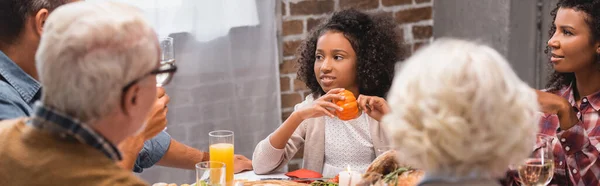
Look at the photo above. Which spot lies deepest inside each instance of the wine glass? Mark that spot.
(167, 61)
(538, 168)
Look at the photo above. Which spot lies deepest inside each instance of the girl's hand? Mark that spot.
(323, 106)
(374, 106)
(554, 104)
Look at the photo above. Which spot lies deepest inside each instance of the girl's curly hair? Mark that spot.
(375, 41)
(558, 80)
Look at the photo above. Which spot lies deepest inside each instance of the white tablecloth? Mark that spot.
(251, 176)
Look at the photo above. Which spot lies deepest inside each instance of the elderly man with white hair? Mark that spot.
(460, 113)
(22, 23)
(98, 64)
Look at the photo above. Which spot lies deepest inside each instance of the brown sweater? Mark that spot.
(29, 156)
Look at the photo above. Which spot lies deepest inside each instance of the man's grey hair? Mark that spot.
(89, 52)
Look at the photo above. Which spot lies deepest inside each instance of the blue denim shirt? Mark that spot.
(19, 92)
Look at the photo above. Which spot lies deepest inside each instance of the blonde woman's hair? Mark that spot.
(459, 109)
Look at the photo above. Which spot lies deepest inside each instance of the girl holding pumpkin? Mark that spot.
(350, 55)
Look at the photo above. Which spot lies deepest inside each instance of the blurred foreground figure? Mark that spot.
(461, 114)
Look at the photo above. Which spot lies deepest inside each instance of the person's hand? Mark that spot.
(157, 119)
(241, 164)
(130, 147)
(323, 106)
(554, 104)
(374, 106)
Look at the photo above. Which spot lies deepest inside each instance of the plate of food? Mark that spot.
(394, 173)
(384, 170)
(246, 183)
(170, 184)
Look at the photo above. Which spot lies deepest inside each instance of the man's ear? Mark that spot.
(130, 99)
(40, 20)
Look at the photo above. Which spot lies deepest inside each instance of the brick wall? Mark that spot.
(415, 28)
(414, 19)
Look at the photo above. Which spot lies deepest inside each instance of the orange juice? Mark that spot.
(223, 152)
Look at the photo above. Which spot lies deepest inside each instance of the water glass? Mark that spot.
(210, 173)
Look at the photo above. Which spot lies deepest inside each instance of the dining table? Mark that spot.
(252, 176)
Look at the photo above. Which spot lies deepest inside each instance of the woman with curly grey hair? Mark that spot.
(460, 113)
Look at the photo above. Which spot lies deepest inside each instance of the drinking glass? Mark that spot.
(167, 60)
(538, 169)
(210, 173)
(221, 150)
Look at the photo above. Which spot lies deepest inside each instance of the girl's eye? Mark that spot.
(319, 57)
(337, 58)
(567, 33)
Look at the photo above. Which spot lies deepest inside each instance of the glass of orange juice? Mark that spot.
(221, 150)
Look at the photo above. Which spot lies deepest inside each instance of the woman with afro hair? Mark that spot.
(350, 51)
(572, 101)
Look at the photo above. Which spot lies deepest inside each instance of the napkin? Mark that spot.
(304, 173)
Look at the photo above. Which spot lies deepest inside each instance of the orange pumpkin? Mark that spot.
(349, 105)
